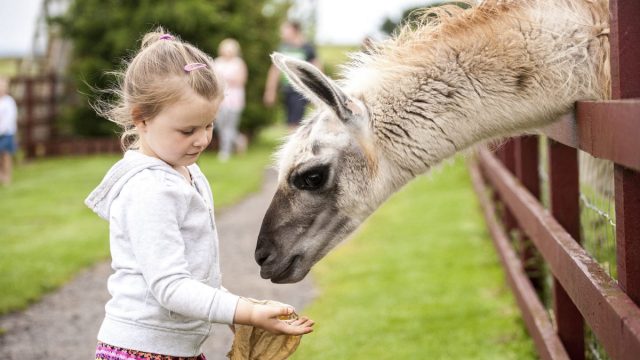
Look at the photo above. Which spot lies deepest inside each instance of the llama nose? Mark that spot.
(261, 257)
(265, 253)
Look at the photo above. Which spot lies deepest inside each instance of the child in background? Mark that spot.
(166, 287)
(232, 69)
(8, 126)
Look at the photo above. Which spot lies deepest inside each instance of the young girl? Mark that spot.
(166, 287)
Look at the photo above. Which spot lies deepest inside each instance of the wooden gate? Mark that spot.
(507, 181)
(39, 99)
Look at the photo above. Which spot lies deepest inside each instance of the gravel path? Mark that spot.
(64, 324)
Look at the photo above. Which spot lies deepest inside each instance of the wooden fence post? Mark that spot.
(564, 205)
(625, 84)
(527, 162)
(52, 144)
(509, 161)
(29, 101)
(627, 188)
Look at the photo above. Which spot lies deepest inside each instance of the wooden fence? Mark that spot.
(507, 181)
(38, 99)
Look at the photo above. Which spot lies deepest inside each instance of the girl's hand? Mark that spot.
(273, 318)
(268, 317)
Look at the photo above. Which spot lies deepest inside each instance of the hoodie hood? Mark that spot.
(131, 164)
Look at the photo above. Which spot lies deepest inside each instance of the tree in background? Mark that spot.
(105, 33)
(412, 14)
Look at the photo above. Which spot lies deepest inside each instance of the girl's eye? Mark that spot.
(186, 132)
(210, 126)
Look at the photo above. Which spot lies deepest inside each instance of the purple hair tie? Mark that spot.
(194, 66)
(166, 37)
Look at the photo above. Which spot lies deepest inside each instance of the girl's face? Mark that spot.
(287, 33)
(180, 131)
(228, 51)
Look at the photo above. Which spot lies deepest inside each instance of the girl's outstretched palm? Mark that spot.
(275, 319)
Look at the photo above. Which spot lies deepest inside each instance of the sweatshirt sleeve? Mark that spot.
(153, 223)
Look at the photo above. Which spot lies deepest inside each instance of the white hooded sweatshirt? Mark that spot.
(166, 286)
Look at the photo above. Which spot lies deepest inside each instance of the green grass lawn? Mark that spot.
(331, 56)
(420, 280)
(8, 67)
(47, 234)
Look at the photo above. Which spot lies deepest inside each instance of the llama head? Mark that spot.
(326, 176)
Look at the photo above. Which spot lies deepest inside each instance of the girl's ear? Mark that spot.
(315, 85)
(138, 119)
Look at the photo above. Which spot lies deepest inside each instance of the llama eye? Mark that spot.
(311, 180)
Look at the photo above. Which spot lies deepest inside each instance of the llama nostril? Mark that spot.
(263, 256)
(265, 251)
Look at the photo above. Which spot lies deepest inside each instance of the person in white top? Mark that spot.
(230, 67)
(8, 126)
(166, 286)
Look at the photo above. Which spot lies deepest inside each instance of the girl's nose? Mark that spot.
(203, 139)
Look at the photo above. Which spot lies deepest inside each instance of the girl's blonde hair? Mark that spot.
(155, 77)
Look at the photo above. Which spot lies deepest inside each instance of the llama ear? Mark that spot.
(311, 82)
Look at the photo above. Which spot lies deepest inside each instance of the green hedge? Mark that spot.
(106, 32)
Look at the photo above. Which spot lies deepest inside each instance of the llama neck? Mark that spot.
(501, 76)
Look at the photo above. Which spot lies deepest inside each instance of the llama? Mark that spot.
(437, 88)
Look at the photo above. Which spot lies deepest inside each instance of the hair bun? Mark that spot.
(153, 37)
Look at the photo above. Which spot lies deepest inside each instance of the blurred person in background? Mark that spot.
(293, 45)
(230, 67)
(8, 127)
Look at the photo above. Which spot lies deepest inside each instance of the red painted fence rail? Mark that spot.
(584, 295)
(39, 98)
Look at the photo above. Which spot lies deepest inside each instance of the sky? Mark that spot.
(349, 21)
(338, 21)
(17, 26)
